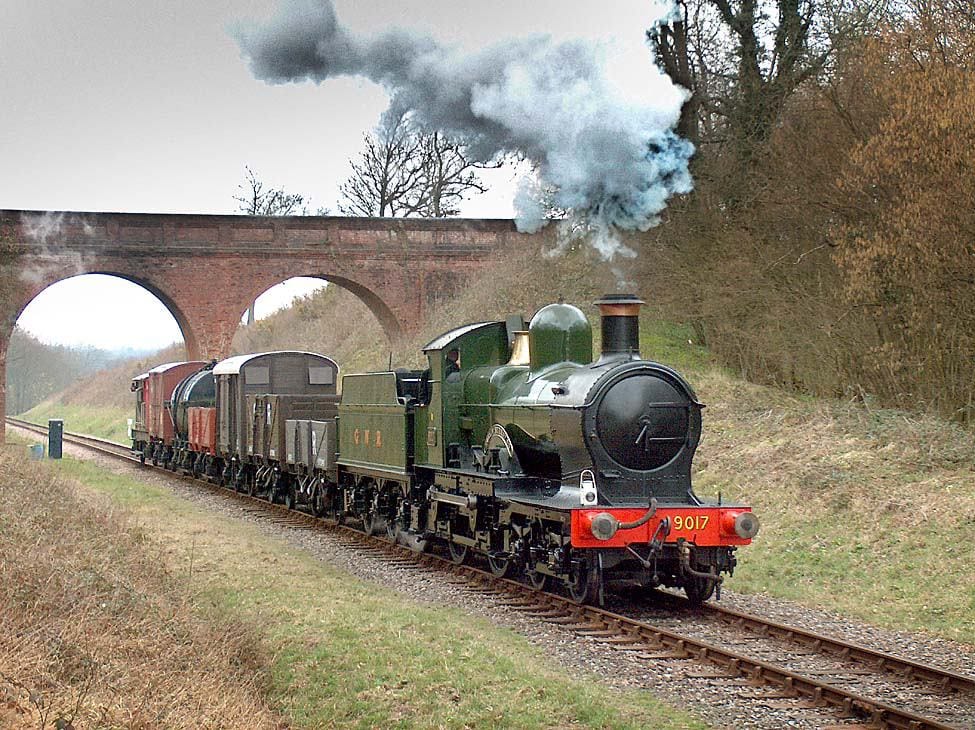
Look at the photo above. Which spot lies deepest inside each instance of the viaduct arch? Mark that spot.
(207, 269)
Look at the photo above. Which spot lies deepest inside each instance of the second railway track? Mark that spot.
(796, 667)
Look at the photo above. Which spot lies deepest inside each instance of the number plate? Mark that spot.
(689, 523)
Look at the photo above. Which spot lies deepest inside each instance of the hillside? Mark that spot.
(865, 510)
(101, 403)
(36, 370)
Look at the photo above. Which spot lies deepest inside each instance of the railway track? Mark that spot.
(780, 664)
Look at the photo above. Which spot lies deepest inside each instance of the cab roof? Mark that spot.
(232, 365)
(170, 365)
(447, 337)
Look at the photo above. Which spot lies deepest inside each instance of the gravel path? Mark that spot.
(722, 702)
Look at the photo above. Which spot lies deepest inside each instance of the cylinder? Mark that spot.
(620, 325)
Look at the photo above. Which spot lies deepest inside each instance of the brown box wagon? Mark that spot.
(240, 379)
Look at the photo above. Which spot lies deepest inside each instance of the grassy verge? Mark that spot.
(351, 655)
(866, 512)
(673, 345)
(97, 632)
(105, 422)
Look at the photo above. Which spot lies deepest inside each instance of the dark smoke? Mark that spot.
(611, 159)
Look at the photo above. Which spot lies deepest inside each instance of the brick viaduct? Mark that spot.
(207, 269)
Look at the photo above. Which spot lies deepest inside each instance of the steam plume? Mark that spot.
(49, 260)
(608, 156)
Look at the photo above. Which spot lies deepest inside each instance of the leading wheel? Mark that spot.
(699, 590)
(583, 585)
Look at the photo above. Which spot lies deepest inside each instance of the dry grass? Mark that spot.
(349, 654)
(882, 458)
(96, 633)
(306, 325)
(866, 511)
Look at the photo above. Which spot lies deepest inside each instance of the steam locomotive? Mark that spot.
(514, 445)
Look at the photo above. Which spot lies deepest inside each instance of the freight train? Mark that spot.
(514, 444)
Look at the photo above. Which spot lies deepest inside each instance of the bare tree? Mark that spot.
(388, 176)
(256, 198)
(449, 175)
(405, 171)
(743, 59)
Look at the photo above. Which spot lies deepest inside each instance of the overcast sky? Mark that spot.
(114, 105)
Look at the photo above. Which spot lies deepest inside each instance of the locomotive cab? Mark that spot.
(470, 353)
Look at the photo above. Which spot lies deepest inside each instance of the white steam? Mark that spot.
(42, 228)
(48, 259)
(603, 148)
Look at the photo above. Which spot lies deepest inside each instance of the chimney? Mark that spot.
(620, 326)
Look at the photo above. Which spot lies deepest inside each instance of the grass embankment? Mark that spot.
(866, 512)
(349, 654)
(108, 422)
(98, 632)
